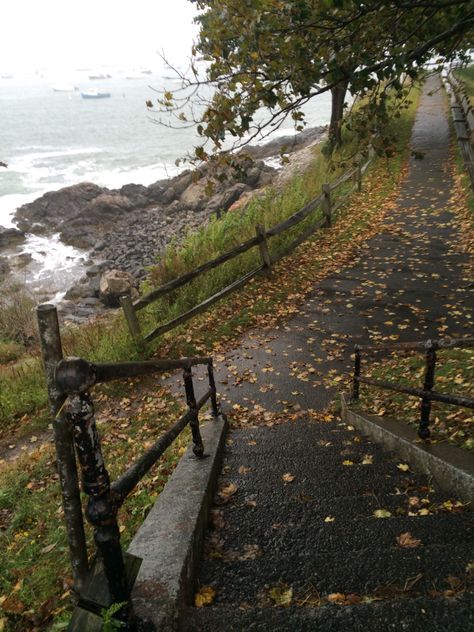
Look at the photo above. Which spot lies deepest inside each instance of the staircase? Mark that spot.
(306, 552)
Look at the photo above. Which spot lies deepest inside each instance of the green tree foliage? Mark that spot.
(279, 54)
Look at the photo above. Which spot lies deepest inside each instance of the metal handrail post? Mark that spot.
(198, 447)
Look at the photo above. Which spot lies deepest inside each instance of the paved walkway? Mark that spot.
(296, 519)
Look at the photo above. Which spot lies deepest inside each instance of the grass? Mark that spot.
(35, 578)
(466, 75)
(454, 370)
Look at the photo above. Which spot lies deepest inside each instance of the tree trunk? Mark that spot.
(338, 95)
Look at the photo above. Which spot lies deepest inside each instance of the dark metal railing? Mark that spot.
(426, 394)
(69, 383)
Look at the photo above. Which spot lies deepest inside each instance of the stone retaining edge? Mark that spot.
(170, 540)
(450, 467)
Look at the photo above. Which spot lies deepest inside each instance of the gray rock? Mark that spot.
(137, 194)
(10, 237)
(4, 267)
(53, 208)
(106, 204)
(222, 201)
(114, 284)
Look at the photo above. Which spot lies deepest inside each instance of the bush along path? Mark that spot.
(314, 527)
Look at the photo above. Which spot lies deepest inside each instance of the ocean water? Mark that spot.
(54, 139)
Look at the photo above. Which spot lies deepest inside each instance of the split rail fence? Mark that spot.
(463, 118)
(325, 201)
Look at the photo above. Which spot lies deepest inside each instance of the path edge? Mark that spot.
(170, 540)
(451, 468)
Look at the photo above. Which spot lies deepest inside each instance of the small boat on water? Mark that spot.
(95, 94)
(100, 76)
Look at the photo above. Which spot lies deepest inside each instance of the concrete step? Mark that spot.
(389, 571)
(408, 615)
(441, 529)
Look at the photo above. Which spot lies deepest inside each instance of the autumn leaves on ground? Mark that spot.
(35, 582)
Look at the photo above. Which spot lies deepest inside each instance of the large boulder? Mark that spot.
(222, 201)
(137, 195)
(105, 205)
(195, 197)
(46, 213)
(10, 237)
(114, 284)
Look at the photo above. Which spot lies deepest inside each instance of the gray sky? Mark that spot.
(58, 35)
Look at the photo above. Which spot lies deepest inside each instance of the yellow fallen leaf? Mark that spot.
(382, 513)
(288, 477)
(228, 490)
(204, 597)
(347, 462)
(281, 595)
(403, 467)
(329, 519)
(368, 459)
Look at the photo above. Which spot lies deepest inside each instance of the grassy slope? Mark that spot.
(35, 580)
(466, 75)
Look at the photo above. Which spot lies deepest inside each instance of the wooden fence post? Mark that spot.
(263, 247)
(327, 205)
(51, 351)
(131, 318)
(359, 173)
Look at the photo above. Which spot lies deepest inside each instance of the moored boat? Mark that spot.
(95, 94)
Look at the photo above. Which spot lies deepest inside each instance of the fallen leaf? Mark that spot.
(288, 477)
(382, 513)
(329, 519)
(251, 552)
(228, 490)
(49, 548)
(407, 541)
(403, 467)
(368, 459)
(336, 597)
(347, 462)
(204, 597)
(281, 595)
(244, 470)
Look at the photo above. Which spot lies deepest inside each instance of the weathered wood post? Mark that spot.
(263, 247)
(327, 204)
(131, 318)
(51, 350)
(359, 173)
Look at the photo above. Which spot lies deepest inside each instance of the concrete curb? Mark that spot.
(169, 542)
(450, 467)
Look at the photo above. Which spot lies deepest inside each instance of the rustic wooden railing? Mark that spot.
(463, 118)
(69, 381)
(325, 200)
(426, 394)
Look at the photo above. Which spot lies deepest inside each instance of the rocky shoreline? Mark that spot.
(126, 229)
